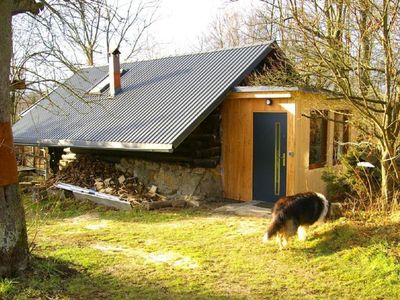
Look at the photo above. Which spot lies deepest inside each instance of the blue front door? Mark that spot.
(269, 156)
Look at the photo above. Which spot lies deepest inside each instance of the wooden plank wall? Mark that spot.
(31, 156)
(237, 143)
(310, 179)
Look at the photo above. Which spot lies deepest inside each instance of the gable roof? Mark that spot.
(160, 104)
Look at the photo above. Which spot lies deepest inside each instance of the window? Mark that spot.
(103, 84)
(340, 135)
(318, 138)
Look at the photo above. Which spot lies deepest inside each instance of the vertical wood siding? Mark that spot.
(237, 143)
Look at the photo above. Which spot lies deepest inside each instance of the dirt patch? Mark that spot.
(171, 258)
(247, 228)
(84, 218)
(97, 226)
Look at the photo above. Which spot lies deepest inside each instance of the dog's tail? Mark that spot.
(278, 221)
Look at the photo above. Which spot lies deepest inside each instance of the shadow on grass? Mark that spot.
(56, 209)
(49, 278)
(352, 235)
(70, 208)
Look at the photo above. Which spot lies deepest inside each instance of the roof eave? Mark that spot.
(264, 88)
(97, 145)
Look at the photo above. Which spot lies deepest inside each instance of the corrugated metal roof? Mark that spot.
(161, 102)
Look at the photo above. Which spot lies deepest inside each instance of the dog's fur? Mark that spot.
(292, 214)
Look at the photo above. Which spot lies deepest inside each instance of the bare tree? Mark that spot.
(126, 26)
(94, 26)
(79, 22)
(351, 50)
(232, 29)
(25, 86)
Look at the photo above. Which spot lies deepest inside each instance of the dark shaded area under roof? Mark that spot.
(161, 102)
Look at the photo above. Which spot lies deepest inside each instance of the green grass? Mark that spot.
(85, 252)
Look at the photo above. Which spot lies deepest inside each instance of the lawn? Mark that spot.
(80, 251)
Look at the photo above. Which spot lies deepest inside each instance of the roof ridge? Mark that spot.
(266, 43)
(208, 51)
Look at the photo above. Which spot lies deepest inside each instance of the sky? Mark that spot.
(180, 23)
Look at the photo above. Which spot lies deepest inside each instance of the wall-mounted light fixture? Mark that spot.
(268, 101)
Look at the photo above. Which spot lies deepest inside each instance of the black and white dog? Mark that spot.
(292, 214)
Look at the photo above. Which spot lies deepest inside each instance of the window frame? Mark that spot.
(323, 116)
(103, 84)
(345, 134)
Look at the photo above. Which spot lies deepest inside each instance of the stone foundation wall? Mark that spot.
(174, 180)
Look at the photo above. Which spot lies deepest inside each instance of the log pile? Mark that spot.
(91, 173)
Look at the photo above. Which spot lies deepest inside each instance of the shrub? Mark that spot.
(347, 181)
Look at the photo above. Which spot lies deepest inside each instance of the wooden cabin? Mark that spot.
(191, 125)
(275, 141)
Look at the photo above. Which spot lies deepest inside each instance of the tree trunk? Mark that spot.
(13, 237)
(89, 56)
(387, 178)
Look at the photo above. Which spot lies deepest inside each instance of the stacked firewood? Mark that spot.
(89, 172)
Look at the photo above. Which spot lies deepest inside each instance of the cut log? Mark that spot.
(153, 190)
(179, 203)
(164, 204)
(199, 152)
(204, 137)
(197, 144)
(192, 201)
(157, 205)
(206, 153)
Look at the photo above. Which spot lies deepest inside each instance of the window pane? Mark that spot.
(103, 84)
(100, 86)
(340, 135)
(318, 135)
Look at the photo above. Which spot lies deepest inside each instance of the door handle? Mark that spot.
(277, 167)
